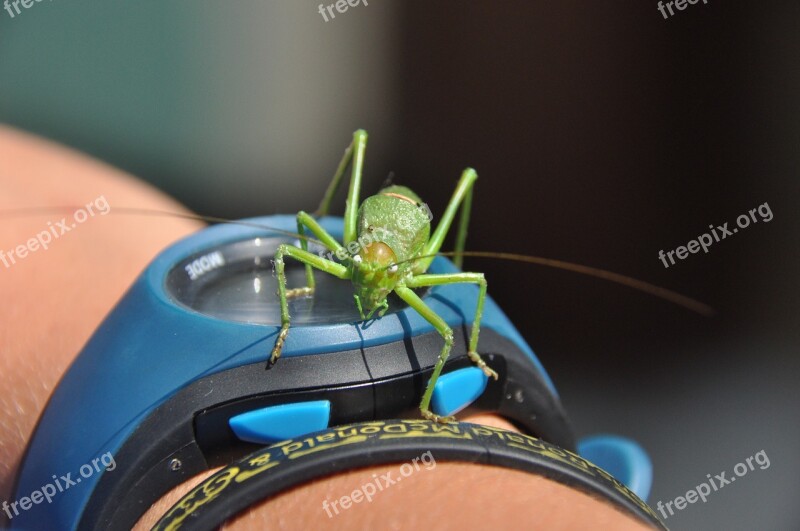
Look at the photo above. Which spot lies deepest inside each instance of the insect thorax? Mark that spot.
(397, 217)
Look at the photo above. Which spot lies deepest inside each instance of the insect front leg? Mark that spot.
(413, 300)
(304, 221)
(420, 281)
(309, 259)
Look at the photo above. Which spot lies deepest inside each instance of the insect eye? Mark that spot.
(393, 268)
(371, 228)
(357, 258)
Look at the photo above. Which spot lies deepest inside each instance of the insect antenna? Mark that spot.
(40, 211)
(640, 285)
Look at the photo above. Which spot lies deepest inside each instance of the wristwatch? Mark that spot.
(174, 380)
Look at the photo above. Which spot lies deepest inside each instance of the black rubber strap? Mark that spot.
(276, 468)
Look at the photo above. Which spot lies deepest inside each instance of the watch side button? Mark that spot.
(277, 423)
(456, 390)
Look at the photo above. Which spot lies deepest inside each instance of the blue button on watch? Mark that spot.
(456, 390)
(277, 423)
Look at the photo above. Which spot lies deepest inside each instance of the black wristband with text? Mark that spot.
(276, 468)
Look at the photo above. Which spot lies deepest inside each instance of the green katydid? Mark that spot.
(397, 254)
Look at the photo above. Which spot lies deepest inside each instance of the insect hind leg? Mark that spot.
(353, 154)
(462, 197)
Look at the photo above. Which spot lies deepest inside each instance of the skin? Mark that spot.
(54, 299)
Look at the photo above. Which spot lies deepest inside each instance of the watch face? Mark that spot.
(236, 282)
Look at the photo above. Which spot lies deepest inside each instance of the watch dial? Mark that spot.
(235, 282)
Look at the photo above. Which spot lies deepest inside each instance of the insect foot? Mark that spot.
(276, 350)
(436, 418)
(477, 360)
(299, 292)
